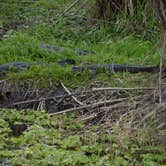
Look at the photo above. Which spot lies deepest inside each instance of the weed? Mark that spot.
(44, 143)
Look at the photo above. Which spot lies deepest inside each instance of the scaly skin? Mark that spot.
(56, 48)
(21, 66)
(117, 68)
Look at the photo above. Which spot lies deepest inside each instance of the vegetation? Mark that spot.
(29, 137)
(60, 140)
(38, 23)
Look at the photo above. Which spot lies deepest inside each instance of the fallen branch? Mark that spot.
(89, 106)
(55, 97)
(119, 88)
(49, 98)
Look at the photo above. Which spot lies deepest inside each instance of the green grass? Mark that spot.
(44, 27)
(25, 47)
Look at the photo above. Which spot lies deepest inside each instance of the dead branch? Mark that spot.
(89, 106)
(119, 88)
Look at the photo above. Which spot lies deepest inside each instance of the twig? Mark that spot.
(70, 7)
(88, 117)
(101, 110)
(89, 106)
(119, 88)
(55, 97)
(41, 105)
(69, 93)
(48, 98)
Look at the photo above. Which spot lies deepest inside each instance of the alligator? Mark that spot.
(17, 66)
(56, 48)
(21, 66)
(117, 68)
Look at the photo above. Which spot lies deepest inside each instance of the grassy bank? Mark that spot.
(38, 23)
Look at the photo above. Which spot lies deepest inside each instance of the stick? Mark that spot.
(48, 98)
(57, 97)
(88, 117)
(69, 93)
(70, 7)
(89, 106)
(119, 88)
